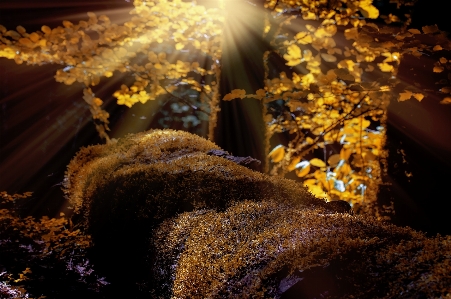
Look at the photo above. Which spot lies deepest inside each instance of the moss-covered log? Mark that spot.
(165, 213)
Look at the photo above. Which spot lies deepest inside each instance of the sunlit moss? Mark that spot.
(185, 224)
(260, 249)
(154, 175)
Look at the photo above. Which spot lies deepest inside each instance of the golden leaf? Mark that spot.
(302, 169)
(310, 28)
(293, 163)
(437, 48)
(277, 154)
(179, 46)
(308, 16)
(368, 10)
(108, 74)
(404, 96)
(438, 69)
(414, 31)
(446, 100)
(345, 153)
(34, 37)
(46, 29)
(26, 42)
(303, 38)
(418, 96)
(236, 93)
(385, 67)
(294, 55)
(317, 162)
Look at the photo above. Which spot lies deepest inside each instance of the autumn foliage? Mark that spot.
(329, 76)
(341, 63)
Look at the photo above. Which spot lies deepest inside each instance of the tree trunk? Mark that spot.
(240, 126)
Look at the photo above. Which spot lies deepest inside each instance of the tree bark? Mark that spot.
(240, 126)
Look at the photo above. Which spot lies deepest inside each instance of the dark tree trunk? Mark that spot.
(240, 127)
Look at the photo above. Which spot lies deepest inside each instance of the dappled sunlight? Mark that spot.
(316, 86)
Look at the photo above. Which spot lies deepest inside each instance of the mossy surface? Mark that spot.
(148, 177)
(164, 213)
(272, 250)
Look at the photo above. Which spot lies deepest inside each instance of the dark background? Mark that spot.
(43, 123)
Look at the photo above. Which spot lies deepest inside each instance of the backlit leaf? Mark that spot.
(293, 163)
(277, 154)
(385, 67)
(438, 69)
(302, 169)
(437, 48)
(317, 162)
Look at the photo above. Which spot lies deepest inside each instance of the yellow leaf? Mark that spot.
(293, 163)
(368, 10)
(303, 38)
(438, 69)
(414, 31)
(446, 100)
(68, 24)
(310, 28)
(302, 169)
(293, 56)
(404, 96)
(317, 191)
(26, 42)
(368, 156)
(236, 93)
(46, 29)
(34, 37)
(418, 96)
(309, 16)
(385, 67)
(179, 46)
(443, 60)
(345, 153)
(317, 162)
(437, 48)
(277, 154)
(108, 74)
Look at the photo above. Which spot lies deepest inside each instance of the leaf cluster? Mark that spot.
(43, 258)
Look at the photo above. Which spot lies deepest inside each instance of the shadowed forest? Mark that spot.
(349, 98)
